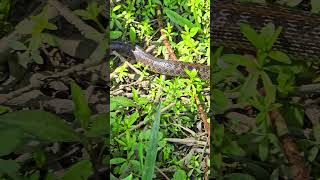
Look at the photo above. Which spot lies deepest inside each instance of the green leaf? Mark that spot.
(152, 150)
(25, 27)
(270, 89)
(4, 109)
(82, 111)
(218, 134)
(10, 139)
(280, 56)
(49, 39)
(315, 4)
(251, 35)
(129, 120)
(249, 88)
(220, 100)
(239, 176)
(115, 34)
(35, 55)
(267, 32)
(316, 132)
(217, 160)
(275, 174)
(82, 13)
(114, 161)
(118, 101)
(239, 60)
(216, 56)
(39, 157)
(294, 115)
(274, 38)
(99, 126)
(179, 175)
(35, 176)
(128, 177)
(133, 35)
(313, 153)
(264, 149)
(17, 45)
(79, 171)
(176, 18)
(9, 168)
(41, 124)
(232, 148)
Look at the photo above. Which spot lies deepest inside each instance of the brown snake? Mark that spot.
(157, 65)
(300, 36)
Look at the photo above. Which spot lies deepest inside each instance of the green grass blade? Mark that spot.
(152, 150)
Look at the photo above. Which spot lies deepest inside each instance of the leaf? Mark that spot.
(82, 111)
(316, 132)
(128, 177)
(25, 27)
(17, 45)
(280, 56)
(4, 109)
(267, 31)
(233, 148)
(239, 176)
(274, 38)
(115, 34)
(179, 175)
(41, 124)
(114, 161)
(149, 165)
(99, 126)
(82, 13)
(239, 60)
(133, 36)
(216, 56)
(35, 55)
(275, 174)
(313, 153)
(10, 139)
(264, 149)
(176, 18)
(270, 89)
(118, 101)
(294, 115)
(315, 4)
(251, 35)
(9, 168)
(217, 160)
(218, 134)
(249, 88)
(220, 100)
(129, 120)
(49, 39)
(79, 171)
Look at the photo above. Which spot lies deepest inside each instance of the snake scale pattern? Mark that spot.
(157, 65)
(300, 36)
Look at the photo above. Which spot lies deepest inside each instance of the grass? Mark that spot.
(188, 34)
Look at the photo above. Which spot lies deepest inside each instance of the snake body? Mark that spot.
(157, 65)
(300, 36)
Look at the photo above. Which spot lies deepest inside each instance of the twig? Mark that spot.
(289, 147)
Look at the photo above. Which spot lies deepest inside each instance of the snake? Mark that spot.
(157, 65)
(300, 36)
